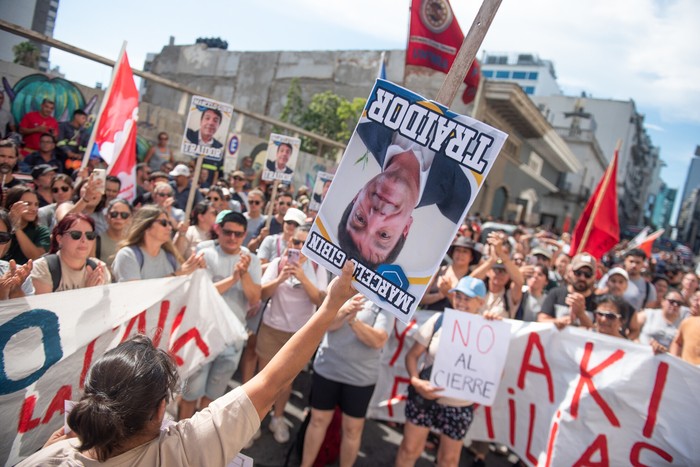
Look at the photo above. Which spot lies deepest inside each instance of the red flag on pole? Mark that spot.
(434, 39)
(647, 244)
(115, 129)
(598, 229)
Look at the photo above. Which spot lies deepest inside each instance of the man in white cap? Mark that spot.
(572, 303)
(273, 246)
(181, 185)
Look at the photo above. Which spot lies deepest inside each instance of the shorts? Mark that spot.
(270, 341)
(353, 400)
(212, 379)
(450, 421)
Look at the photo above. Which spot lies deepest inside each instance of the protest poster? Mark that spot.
(48, 343)
(321, 186)
(282, 155)
(571, 397)
(207, 126)
(410, 173)
(231, 155)
(470, 358)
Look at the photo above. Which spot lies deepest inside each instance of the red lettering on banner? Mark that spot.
(637, 450)
(458, 329)
(164, 308)
(26, 422)
(530, 429)
(401, 338)
(586, 378)
(655, 400)
(534, 342)
(552, 438)
(600, 444)
(57, 403)
(141, 318)
(87, 361)
(191, 334)
(511, 412)
(489, 422)
(395, 395)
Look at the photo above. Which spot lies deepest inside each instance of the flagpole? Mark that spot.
(105, 98)
(599, 199)
(467, 52)
(408, 41)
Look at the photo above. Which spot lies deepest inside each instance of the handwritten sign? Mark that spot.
(470, 357)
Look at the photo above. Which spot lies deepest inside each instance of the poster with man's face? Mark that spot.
(409, 174)
(321, 186)
(282, 154)
(206, 129)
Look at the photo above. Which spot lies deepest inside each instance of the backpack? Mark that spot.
(139, 257)
(54, 263)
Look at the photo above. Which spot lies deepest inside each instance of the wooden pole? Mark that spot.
(467, 52)
(194, 185)
(599, 199)
(271, 204)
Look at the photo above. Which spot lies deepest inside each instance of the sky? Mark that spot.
(644, 50)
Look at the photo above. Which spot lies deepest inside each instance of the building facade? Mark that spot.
(37, 15)
(536, 76)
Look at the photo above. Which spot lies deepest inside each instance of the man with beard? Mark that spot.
(34, 124)
(572, 303)
(9, 153)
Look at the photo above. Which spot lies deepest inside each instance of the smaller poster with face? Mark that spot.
(321, 186)
(282, 155)
(207, 126)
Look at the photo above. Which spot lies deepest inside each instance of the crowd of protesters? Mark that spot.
(61, 229)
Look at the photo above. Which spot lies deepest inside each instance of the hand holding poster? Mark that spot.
(409, 174)
(207, 126)
(282, 154)
(321, 186)
(470, 357)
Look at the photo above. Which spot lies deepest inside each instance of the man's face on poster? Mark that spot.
(284, 153)
(381, 215)
(209, 125)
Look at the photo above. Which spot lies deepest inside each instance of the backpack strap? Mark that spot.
(646, 294)
(436, 326)
(139, 257)
(54, 264)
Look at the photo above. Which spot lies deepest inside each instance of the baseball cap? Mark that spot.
(180, 170)
(581, 260)
(541, 252)
(238, 173)
(620, 272)
(471, 287)
(295, 215)
(230, 216)
(42, 169)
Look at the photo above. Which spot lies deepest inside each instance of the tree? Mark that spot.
(27, 54)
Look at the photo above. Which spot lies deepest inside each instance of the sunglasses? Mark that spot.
(238, 178)
(63, 188)
(586, 274)
(235, 233)
(115, 214)
(213, 199)
(296, 241)
(163, 195)
(254, 201)
(163, 222)
(608, 315)
(291, 223)
(77, 235)
(284, 204)
(674, 302)
(5, 237)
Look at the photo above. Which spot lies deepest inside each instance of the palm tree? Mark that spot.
(27, 54)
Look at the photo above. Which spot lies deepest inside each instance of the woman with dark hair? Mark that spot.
(14, 280)
(118, 418)
(202, 219)
(88, 198)
(69, 265)
(609, 314)
(31, 240)
(216, 197)
(147, 251)
(62, 192)
(533, 297)
(119, 213)
(159, 153)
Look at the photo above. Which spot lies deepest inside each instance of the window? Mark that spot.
(519, 75)
(487, 73)
(503, 74)
(535, 163)
(529, 90)
(532, 75)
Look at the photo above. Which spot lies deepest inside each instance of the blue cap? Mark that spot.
(471, 287)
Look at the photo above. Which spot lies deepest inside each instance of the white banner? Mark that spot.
(48, 342)
(574, 397)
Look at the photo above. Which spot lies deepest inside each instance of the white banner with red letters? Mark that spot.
(48, 342)
(572, 397)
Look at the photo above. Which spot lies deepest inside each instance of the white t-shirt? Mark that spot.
(290, 307)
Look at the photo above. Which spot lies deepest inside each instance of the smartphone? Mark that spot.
(100, 174)
(531, 261)
(293, 255)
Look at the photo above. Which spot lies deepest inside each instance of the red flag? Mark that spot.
(115, 130)
(434, 39)
(648, 242)
(598, 229)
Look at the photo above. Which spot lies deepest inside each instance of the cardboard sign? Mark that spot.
(282, 155)
(231, 156)
(408, 177)
(470, 357)
(321, 186)
(207, 126)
